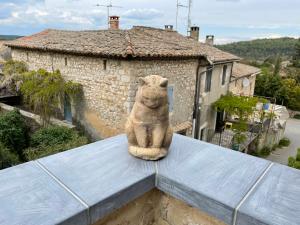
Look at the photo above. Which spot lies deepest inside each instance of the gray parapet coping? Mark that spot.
(29, 196)
(275, 200)
(82, 185)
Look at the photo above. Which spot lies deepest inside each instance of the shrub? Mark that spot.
(274, 147)
(51, 140)
(298, 154)
(265, 151)
(7, 158)
(284, 142)
(297, 116)
(13, 131)
(51, 135)
(291, 161)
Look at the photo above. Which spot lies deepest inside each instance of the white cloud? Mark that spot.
(142, 14)
(42, 13)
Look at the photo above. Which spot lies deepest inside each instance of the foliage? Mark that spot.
(45, 91)
(236, 105)
(239, 138)
(7, 158)
(261, 49)
(284, 90)
(12, 71)
(9, 37)
(51, 140)
(297, 116)
(51, 135)
(284, 142)
(13, 132)
(12, 68)
(298, 154)
(295, 162)
(265, 151)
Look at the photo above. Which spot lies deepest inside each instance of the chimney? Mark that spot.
(169, 27)
(195, 33)
(210, 40)
(114, 22)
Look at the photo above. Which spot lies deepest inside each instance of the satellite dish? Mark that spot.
(246, 82)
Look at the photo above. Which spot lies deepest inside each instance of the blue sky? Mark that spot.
(228, 20)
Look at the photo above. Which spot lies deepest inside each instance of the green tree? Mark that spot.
(298, 49)
(13, 132)
(45, 91)
(277, 66)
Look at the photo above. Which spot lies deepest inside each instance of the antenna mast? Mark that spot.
(108, 6)
(189, 18)
(178, 5)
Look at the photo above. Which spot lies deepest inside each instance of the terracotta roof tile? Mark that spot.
(136, 42)
(243, 70)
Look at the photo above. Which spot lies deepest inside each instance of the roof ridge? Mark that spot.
(129, 48)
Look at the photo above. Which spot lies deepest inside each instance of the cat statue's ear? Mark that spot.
(164, 82)
(141, 81)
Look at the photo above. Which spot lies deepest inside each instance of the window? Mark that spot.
(66, 61)
(224, 74)
(208, 80)
(171, 98)
(202, 131)
(104, 64)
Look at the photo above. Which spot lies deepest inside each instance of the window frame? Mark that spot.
(170, 98)
(208, 83)
(224, 74)
(105, 64)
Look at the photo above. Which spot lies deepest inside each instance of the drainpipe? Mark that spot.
(230, 76)
(197, 106)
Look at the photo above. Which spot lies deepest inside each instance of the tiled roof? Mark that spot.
(137, 42)
(242, 70)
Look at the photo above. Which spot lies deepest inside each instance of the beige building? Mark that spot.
(108, 63)
(242, 80)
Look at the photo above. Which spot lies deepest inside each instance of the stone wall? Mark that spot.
(5, 53)
(109, 86)
(157, 208)
(236, 87)
(181, 75)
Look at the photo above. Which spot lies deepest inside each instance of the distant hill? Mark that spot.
(261, 49)
(9, 37)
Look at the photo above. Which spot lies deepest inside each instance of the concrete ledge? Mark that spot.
(36, 117)
(83, 185)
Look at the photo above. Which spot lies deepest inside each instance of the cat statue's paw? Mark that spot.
(148, 153)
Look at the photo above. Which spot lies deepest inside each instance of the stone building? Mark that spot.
(242, 80)
(108, 63)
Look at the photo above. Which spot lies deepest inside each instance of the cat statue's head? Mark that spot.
(152, 91)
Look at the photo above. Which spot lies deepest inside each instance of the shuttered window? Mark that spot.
(208, 80)
(171, 98)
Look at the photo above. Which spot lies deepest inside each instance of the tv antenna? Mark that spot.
(178, 5)
(108, 6)
(189, 17)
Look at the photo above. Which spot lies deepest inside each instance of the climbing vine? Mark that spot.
(45, 91)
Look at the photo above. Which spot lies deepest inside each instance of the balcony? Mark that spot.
(197, 183)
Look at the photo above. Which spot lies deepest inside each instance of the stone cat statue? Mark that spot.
(148, 130)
